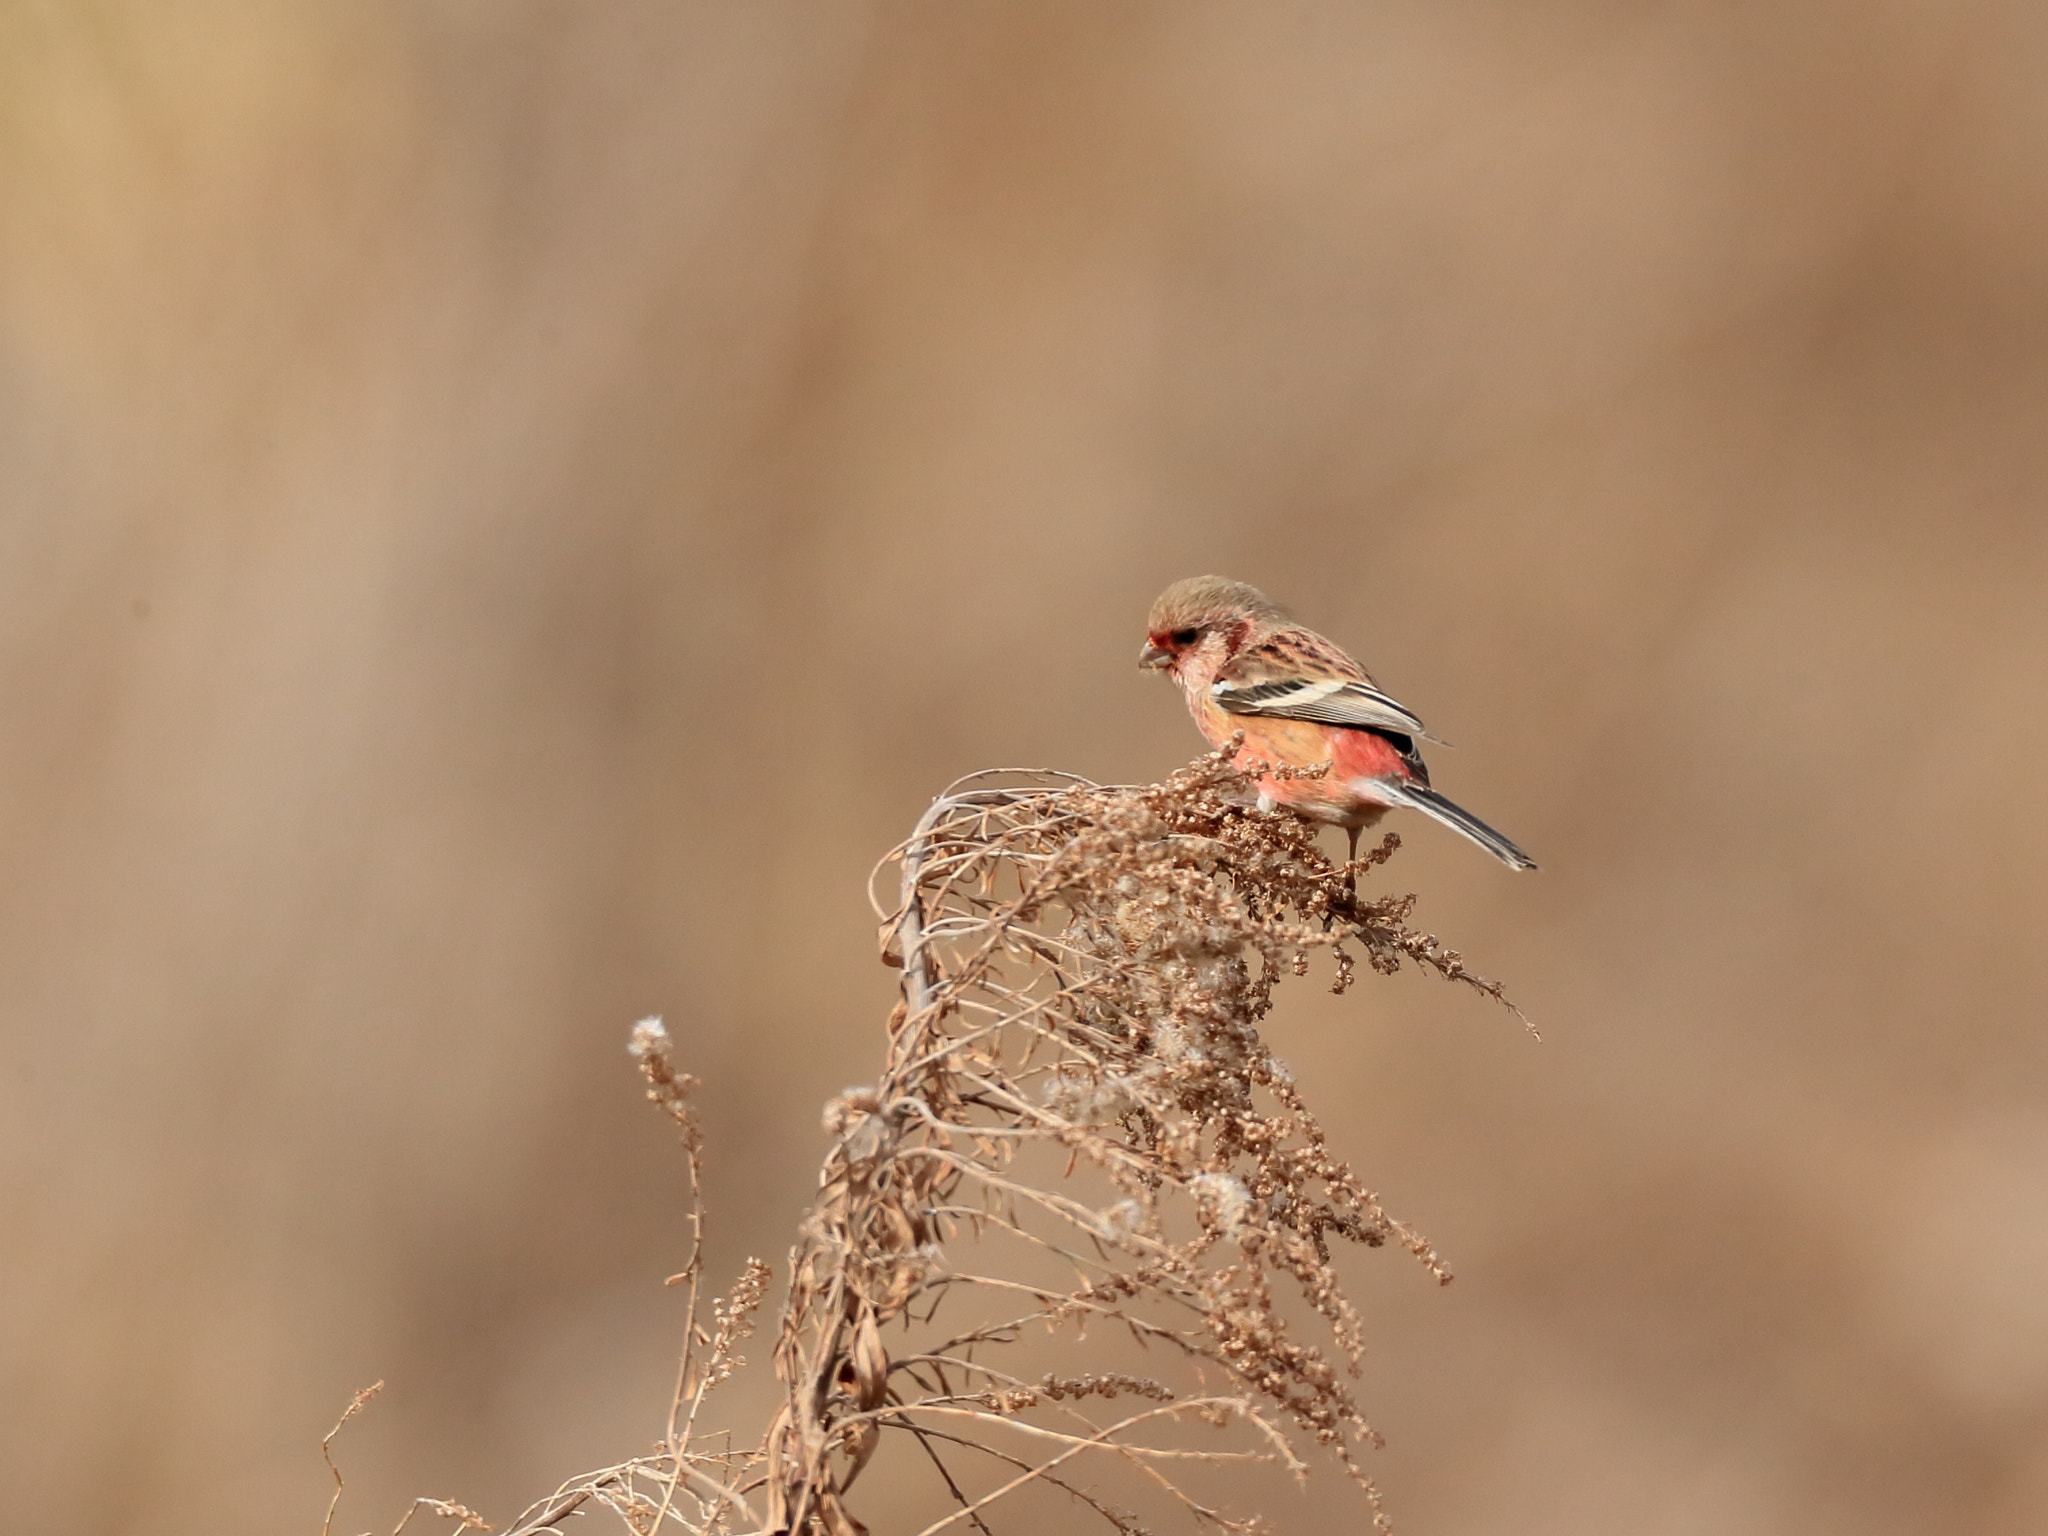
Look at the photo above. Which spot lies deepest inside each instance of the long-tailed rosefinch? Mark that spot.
(1301, 703)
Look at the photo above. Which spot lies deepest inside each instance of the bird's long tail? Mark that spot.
(1456, 817)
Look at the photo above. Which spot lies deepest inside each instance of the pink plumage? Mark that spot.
(1300, 702)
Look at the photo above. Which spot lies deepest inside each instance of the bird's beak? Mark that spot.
(1152, 658)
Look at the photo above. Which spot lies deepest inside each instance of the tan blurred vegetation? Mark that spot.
(508, 508)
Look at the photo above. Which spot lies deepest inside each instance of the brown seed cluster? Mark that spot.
(1085, 972)
(1080, 1141)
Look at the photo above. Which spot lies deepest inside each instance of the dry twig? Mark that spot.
(1077, 1124)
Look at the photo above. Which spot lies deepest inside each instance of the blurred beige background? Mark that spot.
(507, 507)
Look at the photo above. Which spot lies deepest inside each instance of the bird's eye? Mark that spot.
(1185, 636)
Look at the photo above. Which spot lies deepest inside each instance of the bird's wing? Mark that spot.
(1327, 701)
(1309, 679)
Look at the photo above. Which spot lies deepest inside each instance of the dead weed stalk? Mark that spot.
(1078, 1130)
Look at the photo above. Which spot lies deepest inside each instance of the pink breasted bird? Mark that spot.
(1301, 703)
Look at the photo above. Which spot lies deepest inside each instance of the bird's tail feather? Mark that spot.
(1456, 817)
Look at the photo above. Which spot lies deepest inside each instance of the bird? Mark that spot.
(1299, 702)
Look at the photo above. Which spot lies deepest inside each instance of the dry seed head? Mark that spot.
(851, 1107)
(1077, 1068)
(1086, 970)
(650, 1045)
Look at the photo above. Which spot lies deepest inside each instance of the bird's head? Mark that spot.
(1203, 616)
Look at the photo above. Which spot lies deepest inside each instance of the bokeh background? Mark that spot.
(507, 507)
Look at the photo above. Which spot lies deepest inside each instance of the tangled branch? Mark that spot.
(1077, 1126)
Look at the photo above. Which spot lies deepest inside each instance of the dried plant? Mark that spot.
(1078, 1132)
